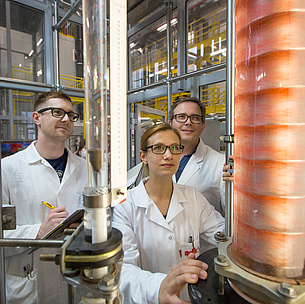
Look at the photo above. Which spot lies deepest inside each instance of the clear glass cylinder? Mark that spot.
(269, 187)
(97, 117)
(93, 221)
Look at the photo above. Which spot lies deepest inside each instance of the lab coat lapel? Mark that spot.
(194, 164)
(176, 204)
(71, 166)
(152, 212)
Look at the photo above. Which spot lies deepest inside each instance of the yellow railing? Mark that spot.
(206, 31)
(24, 73)
(214, 99)
(27, 74)
(72, 81)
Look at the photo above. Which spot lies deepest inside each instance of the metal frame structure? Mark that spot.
(185, 81)
(15, 84)
(138, 110)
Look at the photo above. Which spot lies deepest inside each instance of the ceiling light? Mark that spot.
(39, 42)
(163, 27)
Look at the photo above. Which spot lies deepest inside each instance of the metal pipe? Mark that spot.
(30, 243)
(56, 48)
(24, 85)
(73, 8)
(230, 72)
(97, 196)
(181, 77)
(2, 265)
(9, 67)
(169, 6)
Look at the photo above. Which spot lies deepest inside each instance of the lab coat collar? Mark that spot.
(152, 213)
(194, 164)
(34, 157)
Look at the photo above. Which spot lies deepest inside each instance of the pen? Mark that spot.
(48, 205)
(191, 241)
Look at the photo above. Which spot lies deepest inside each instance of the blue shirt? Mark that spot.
(184, 160)
(59, 164)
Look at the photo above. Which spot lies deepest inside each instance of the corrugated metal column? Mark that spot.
(230, 107)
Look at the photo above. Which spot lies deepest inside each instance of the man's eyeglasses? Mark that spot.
(161, 149)
(195, 119)
(60, 113)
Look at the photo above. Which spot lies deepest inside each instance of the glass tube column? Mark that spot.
(269, 188)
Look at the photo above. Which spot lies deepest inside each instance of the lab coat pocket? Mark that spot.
(21, 290)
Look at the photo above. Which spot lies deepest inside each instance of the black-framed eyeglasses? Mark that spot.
(60, 113)
(161, 149)
(195, 119)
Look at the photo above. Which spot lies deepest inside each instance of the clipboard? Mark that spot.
(59, 229)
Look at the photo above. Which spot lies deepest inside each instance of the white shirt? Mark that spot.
(152, 243)
(28, 179)
(204, 172)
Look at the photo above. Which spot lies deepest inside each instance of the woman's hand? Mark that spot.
(187, 271)
(228, 170)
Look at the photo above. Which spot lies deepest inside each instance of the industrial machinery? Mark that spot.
(91, 258)
(265, 258)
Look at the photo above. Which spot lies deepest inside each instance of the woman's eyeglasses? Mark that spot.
(161, 149)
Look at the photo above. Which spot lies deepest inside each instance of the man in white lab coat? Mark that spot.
(200, 166)
(45, 171)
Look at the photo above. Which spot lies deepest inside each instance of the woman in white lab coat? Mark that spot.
(161, 222)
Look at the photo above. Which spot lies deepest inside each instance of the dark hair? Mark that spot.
(81, 144)
(187, 99)
(43, 97)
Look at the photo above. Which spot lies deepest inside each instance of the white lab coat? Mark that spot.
(204, 172)
(151, 243)
(28, 179)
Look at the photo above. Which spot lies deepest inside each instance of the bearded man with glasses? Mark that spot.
(200, 166)
(45, 171)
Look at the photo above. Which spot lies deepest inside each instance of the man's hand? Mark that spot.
(187, 271)
(228, 170)
(54, 217)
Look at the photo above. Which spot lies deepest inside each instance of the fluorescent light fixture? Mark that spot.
(39, 42)
(174, 21)
(31, 53)
(132, 44)
(163, 27)
(223, 51)
(192, 56)
(20, 65)
(39, 73)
